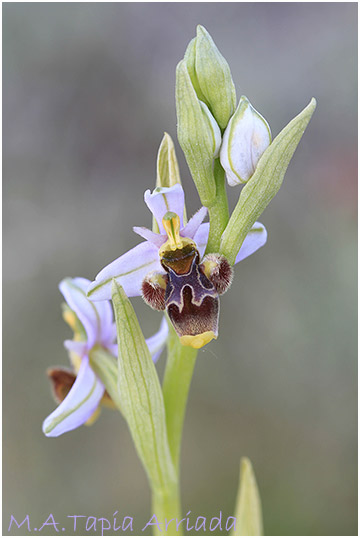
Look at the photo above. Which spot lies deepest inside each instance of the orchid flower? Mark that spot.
(170, 271)
(79, 391)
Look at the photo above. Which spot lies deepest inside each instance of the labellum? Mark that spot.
(189, 290)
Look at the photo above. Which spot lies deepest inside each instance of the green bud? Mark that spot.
(190, 59)
(213, 76)
(264, 184)
(245, 139)
(248, 504)
(167, 168)
(198, 135)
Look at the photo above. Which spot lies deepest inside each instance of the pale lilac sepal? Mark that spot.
(193, 225)
(201, 238)
(153, 237)
(254, 240)
(80, 348)
(79, 404)
(164, 199)
(129, 271)
(75, 296)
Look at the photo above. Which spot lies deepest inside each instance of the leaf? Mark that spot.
(248, 504)
(264, 184)
(141, 396)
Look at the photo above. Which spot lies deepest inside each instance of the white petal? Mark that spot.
(129, 271)
(255, 239)
(79, 404)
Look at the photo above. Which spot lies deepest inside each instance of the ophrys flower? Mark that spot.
(79, 391)
(169, 270)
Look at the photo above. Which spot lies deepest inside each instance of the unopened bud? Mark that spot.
(198, 134)
(167, 168)
(213, 129)
(213, 77)
(245, 139)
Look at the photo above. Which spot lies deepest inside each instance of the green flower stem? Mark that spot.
(218, 212)
(178, 373)
(166, 507)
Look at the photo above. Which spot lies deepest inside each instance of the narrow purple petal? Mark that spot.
(255, 239)
(157, 342)
(201, 237)
(193, 225)
(147, 234)
(164, 199)
(79, 404)
(129, 271)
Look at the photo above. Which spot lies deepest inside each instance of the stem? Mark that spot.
(219, 211)
(177, 378)
(166, 507)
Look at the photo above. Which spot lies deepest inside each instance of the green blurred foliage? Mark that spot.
(88, 90)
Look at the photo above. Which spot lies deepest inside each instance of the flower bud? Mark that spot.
(198, 134)
(190, 59)
(213, 77)
(167, 168)
(213, 129)
(245, 139)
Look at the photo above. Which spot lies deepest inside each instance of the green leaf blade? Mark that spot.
(141, 396)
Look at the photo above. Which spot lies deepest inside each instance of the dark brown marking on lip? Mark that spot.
(194, 319)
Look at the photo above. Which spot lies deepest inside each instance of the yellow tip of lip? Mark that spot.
(199, 340)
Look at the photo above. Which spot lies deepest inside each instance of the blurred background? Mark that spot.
(88, 90)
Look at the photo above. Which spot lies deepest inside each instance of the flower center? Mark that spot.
(171, 223)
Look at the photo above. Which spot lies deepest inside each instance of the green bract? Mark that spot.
(248, 505)
(264, 184)
(141, 396)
